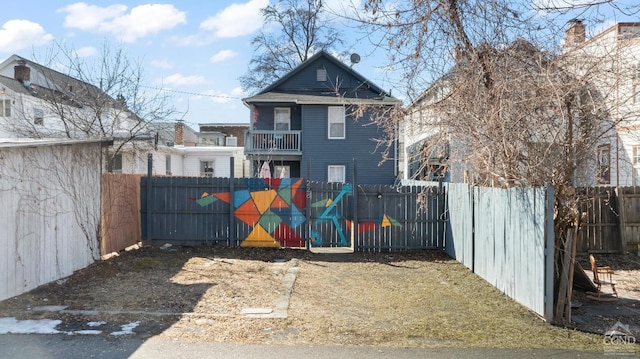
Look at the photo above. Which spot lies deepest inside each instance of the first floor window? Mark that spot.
(206, 168)
(604, 164)
(336, 122)
(167, 161)
(117, 163)
(282, 171)
(336, 174)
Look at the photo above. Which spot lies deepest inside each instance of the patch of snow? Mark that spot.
(41, 326)
(127, 328)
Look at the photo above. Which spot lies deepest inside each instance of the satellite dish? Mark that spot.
(355, 58)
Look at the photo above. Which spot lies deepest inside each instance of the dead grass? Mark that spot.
(418, 299)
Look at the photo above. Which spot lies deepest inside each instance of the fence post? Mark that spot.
(232, 190)
(354, 224)
(149, 200)
(623, 238)
(549, 252)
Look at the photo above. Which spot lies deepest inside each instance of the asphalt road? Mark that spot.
(27, 346)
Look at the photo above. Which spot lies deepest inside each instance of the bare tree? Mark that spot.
(301, 29)
(101, 97)
(496, 97)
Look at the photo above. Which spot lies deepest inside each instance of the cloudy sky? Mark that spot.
(196, 49)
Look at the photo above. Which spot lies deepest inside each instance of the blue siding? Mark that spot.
(319, 151)
(306, 81)
(266, 114)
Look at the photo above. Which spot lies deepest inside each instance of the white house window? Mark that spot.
(282, 171)
(38, 116)
(282, 119)
(321, 75)
(636, 165)
(336, 122)
(167, 161)
(117, 163)
(232, 141)
(5, 108)
(604, 164)
(336, 174)
(206, 168)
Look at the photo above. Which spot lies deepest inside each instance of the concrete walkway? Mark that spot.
(77, 347)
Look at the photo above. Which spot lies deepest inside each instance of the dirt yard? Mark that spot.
(416, 299)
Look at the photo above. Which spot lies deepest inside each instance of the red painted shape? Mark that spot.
(366, 226)
(287, 236)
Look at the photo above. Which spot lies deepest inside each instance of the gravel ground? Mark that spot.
(413, 299)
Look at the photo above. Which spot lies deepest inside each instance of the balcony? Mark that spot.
(259, 142)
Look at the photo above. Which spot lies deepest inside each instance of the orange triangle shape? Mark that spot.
(278, 202)
(259, 238)
(247, 213)
(224, 196)
(263, 199)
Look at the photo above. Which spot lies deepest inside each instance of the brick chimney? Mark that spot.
(22, 73)
(575, 34)
(179, 133)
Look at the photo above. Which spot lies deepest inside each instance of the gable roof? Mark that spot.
(46, 82)
(269, 95)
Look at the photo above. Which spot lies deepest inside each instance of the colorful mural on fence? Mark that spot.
(274, 209)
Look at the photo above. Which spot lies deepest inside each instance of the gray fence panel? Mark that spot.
(459, 216)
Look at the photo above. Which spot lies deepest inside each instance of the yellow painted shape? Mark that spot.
(259, 237)
(263, 199)
(329, 201)
(385, 221)
(204, 195)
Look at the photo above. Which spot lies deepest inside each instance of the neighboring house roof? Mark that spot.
(273, 93)
(43, 142)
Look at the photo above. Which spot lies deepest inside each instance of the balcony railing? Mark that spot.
(272, 142)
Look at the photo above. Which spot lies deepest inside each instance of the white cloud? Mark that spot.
(236, 20)
(86, 51)
(223, 55)
(181, 80)
(238, 92)
(89, 17)
(16, 35)
(141, 21)
(161, 64)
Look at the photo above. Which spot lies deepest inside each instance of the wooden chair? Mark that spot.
(602, 276)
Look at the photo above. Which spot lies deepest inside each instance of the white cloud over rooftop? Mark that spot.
(18, 34)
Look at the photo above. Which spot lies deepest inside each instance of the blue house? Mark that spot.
(302, 125)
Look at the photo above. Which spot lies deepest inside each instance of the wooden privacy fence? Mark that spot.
(506, 237)
(120, 212)
(289, 212)
(613, 220)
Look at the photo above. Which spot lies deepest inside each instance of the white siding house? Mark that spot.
(610, 61)
(50, 217)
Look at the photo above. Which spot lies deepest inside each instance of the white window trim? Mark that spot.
(275, 118)
(330, 122)
(344, 173)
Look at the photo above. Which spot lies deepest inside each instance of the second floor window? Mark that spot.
(117, 163)
(5, 108)
(604, 164)
(336, 122)
(38, 116)
(282, 119)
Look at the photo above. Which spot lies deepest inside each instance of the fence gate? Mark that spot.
(330, 212)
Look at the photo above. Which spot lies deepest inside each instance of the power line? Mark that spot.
(192, 93)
